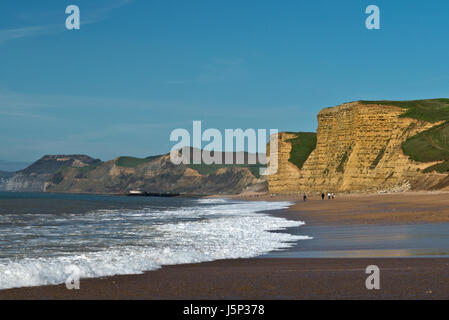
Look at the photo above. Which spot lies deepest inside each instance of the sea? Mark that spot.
(45, 237)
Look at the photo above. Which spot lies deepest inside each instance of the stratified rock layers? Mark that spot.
(287, 180)
(358, 149)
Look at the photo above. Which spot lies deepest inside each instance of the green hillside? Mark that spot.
(205, 169)
(431, 110)
(302, 147)
(430, 145)
(130, 162)
(212, 168)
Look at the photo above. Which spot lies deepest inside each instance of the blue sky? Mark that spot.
(138, 69)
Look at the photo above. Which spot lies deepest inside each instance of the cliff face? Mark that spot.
(359, 148)
(287, 180)
(4, 178)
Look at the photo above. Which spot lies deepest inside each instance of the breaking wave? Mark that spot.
(116, 242)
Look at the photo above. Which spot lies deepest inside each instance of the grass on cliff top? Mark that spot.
(432, 144)
(302, 147)
(130, 162)
(431, 110)
(81, 172)
(204, 169)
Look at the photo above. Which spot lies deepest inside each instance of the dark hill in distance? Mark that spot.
(34, 177)
(155, 174)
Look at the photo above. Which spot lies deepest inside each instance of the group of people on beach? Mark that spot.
(330, 195)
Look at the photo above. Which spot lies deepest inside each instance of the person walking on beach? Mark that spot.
(304, 197)
(328, 196)
(333, 196)
(322, 196)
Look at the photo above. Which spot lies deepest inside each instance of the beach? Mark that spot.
(263, 279)
(290, 274)
(365, 209)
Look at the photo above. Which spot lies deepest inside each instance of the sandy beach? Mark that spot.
(365, 209)
(292, 278)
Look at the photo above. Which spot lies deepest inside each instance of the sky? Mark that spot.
(138, 69)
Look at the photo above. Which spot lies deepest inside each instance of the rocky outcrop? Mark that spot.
(359, 148)
(25, 183)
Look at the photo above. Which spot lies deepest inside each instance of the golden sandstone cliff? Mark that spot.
(359, 148)
(288, 177)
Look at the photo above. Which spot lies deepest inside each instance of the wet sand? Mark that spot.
(292, 278)
(264, 279)
(414, 224)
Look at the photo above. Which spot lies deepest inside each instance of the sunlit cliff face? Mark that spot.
(358, 149)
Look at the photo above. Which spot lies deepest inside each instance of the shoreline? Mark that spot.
(221, 279)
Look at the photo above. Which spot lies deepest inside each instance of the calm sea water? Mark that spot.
(42, 236)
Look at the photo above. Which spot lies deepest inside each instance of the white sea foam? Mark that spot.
(227, 230)
(211, 200)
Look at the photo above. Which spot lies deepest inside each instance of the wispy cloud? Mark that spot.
(27, 115)
(104, 12)
(105, 127)
(122, 129)
(90, 17)
(61, 107)
(17, 33)
(20, 106)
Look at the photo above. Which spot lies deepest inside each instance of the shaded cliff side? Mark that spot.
(4, 178)
(294, 148)
(369, 146)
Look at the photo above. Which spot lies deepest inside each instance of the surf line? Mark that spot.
(207, 311)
